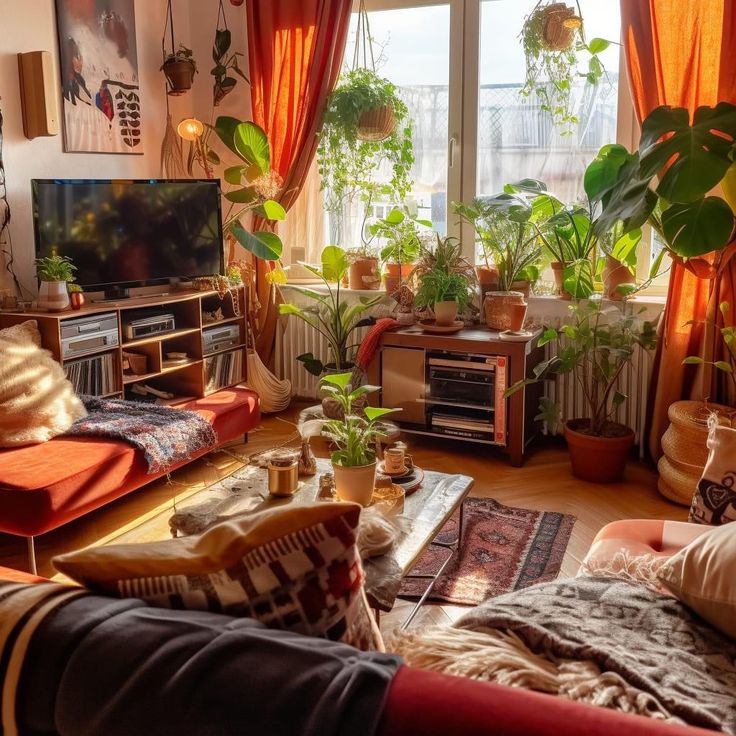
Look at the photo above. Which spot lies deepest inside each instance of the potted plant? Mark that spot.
(329, 315)
(595, 346)
(349, 155)
(354, 437)
(54, 273)
(224, 83)
(400, 232)
(554, 43)
(504, 228)
(179, 67)
(76, 295)
(363, 272)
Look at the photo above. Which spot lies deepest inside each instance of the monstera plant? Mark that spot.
(690, 158)
(253, 185)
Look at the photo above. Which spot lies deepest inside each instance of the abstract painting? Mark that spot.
(99, 76)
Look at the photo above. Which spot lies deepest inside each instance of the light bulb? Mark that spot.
(190, 129)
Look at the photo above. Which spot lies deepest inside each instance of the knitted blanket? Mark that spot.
(166, 436)
(605, 642)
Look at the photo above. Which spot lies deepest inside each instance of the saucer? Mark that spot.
(429, 325)
(381, 468)
(521, 336)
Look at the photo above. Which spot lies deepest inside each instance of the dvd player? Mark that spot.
(84, 335)
(147, 326)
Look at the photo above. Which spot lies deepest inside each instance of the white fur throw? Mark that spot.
(37, 402)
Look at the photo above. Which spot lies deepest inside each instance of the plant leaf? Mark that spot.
(271, 210)
(241, 196)
(374, 412)
(698, 228)
(233, 174)
(265, 245)
(578, 279)
(313, 365)
(341, 380)
(598, 45)
(693, 360)
(722, 365)
(334, 263)
(251, 144)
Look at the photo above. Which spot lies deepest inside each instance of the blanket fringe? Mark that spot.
(623, 565)
(501, 657)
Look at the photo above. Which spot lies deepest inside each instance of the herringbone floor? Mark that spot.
(544, 483)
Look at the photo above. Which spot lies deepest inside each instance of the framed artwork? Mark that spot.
(99, 76)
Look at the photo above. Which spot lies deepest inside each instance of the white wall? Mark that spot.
(30, 25)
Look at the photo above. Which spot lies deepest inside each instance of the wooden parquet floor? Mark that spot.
(544, 483)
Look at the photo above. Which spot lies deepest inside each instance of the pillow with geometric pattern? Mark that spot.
(714, 501)
(295, 567)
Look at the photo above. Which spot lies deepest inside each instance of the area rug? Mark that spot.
(503, 549)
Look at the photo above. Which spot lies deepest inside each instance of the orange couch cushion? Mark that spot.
(44, 486)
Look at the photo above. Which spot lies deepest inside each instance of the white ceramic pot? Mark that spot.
(53, 296)
(355, 484)
(445, 313)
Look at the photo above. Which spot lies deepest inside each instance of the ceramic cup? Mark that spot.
(518, 315)
(393, 459)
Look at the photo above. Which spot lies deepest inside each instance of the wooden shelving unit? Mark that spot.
(185, 380)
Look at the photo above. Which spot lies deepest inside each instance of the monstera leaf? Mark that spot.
(698, 228)
(694, 157)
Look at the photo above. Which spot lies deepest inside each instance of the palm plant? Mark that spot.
(330, 316)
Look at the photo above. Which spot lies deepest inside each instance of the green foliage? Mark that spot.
(595, 346)
(55, 268)
(690, 159)
(443, 274)
(551, 73)
(224, 83)
(728, 336)
(440, 286)
(354, 436)
(329, 315)
(347, 165)
(508, 235)
(181, 54)
(255, 184)
(401, 232)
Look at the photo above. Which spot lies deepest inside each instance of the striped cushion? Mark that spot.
(294, 568)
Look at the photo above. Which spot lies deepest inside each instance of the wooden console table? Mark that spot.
(402, 369)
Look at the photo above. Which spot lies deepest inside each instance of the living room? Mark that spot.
(382, 347)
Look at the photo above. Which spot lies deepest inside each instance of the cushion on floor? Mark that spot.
(44, 486)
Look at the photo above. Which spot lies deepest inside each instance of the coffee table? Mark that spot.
(425, 513)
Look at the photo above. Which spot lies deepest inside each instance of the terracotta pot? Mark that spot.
(525, 287)
(445, 313)
(77, 299)
(180, 75)
(518, 315)
(497, 308)
(614, 274)
(487, 278)
(355, 484)
(395, 274)
(597, 459)
(53, 296)
(363, 274)
(376, 125)
(558, 271)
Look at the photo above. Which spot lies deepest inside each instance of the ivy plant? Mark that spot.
(347, 164)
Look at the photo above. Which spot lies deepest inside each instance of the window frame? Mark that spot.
(464, 94)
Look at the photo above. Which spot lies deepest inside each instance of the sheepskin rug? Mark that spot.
(37, 402)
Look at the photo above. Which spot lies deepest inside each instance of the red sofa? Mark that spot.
(423, 703)
(47, 485)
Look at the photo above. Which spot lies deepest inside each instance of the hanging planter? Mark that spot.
(179, 65)
(377, 124)
(554, 46)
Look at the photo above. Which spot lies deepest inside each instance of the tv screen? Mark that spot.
(128, 232)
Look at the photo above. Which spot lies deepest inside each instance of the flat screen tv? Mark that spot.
(128, 233)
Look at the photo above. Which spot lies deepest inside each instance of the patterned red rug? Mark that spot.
(504, 549)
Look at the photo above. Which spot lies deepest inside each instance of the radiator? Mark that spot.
(298, 337)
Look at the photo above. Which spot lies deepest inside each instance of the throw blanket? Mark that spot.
(166, 436)
(106, 667)
(604, 642)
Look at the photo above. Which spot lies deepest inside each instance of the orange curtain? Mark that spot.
(681, 53)
(295, 50)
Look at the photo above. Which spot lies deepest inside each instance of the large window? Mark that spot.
(460, 68)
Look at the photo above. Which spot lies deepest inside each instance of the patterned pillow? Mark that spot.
(295, 568)
(714, 501)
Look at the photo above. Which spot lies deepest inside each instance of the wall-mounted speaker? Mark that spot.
(38, 94)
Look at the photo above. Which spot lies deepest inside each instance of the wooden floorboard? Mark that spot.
(544, 483)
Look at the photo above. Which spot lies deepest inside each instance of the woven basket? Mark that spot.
(558, 27)
(376, 125)
(676, 484)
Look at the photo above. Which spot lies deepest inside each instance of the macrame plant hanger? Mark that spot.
(363, 45)
(172, 151)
